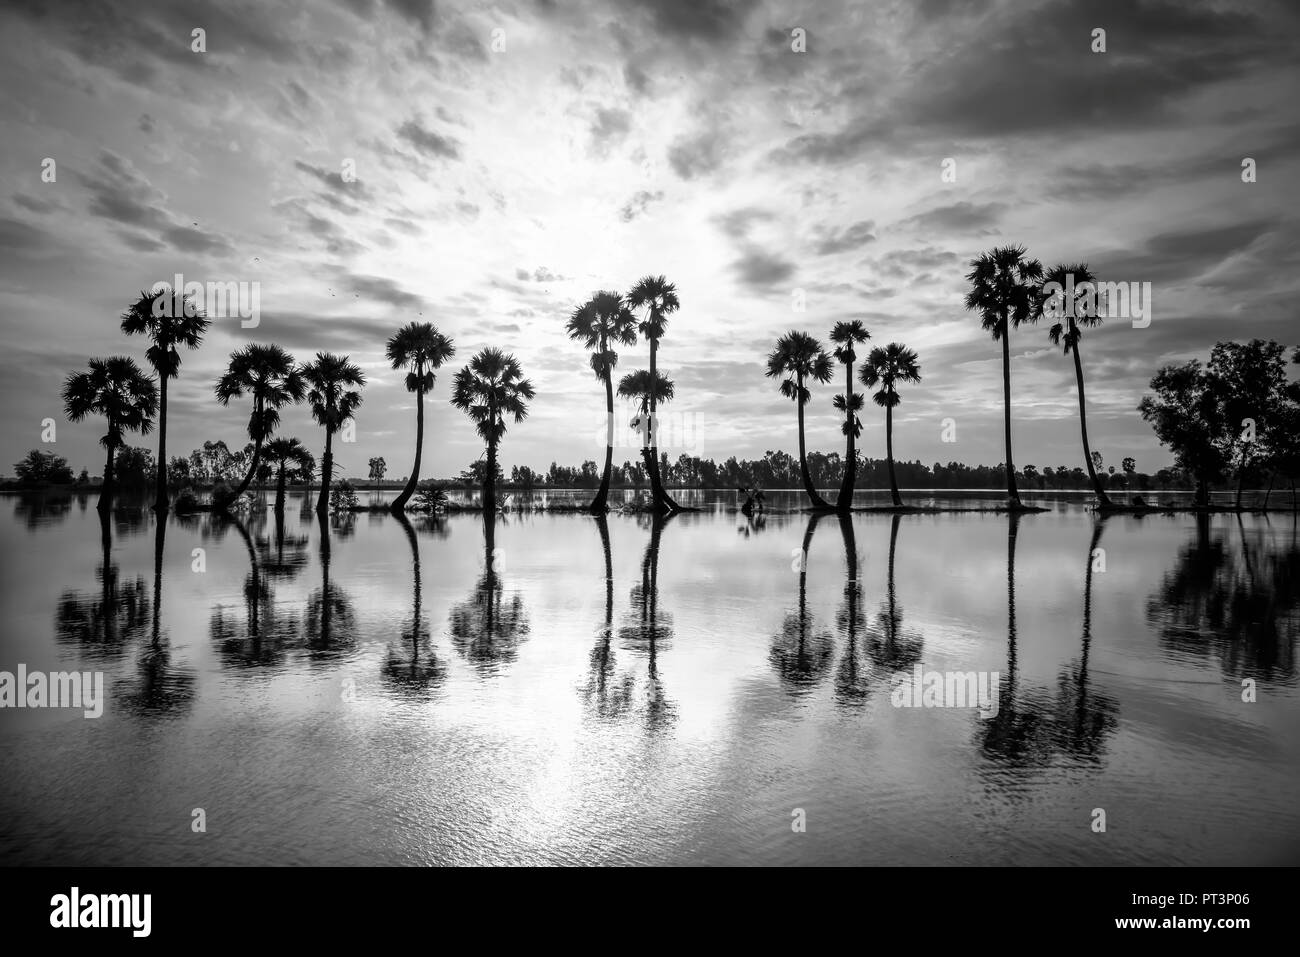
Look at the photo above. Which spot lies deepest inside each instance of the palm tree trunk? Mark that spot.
(889, 455)
(600, 503)
(399, 503)
(1013, 496)
(160, 502)
(490, 481)
(1268, 492)
(845, 500)
(106, 488)
(1102, 498)
(818, 502)
(326, 470)
(252, 469)
(279, 491)
(662, 501)
(1241, 478)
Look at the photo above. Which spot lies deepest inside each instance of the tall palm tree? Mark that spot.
(268, 374)
(887, 367)
(603, 321)
(421, 348)
(1067, 331)
(285, 453)
(332, 382)
(169, 321)
(845, 335)
(799, 357)
(658, 297)
(491, 387)
(118, 390)
(1005, 292)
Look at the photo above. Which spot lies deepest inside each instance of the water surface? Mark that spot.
(549, 688)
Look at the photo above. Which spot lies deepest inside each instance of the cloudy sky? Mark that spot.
(511, 158)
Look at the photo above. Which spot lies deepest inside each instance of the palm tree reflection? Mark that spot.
(331, 627)
(800, 654)
(890, 646)
(101, 623)
(267, 628)
(488, 628)
(607, 696)
(413, 670)
(649, 627)
(852, 678)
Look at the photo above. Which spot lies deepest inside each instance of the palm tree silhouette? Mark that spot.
(891, 646)
(420, 347)
(332, 405)
(635, 385)
(414, 674)
(649, 626)
(845, 335)
(1072, 317)
(801, 658)
(118, 390)
(603, 700)
(268, 374)
(487, 390)
(887, 367)
(1005, 292)
(658, 297)
(604, 320)
(285, 452)
(487, 629)
(169, 321)
(799, 357)
(851, 678)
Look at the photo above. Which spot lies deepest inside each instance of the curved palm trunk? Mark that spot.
(279, 491)
(399, 503)
(252, 469)
(160, 501)
(817, 501)
(106, 489)
(600, 503)
(845, 501)
(889, 455)
(663, 502)
(326, 471)
(1102, 498)
(1012, 494)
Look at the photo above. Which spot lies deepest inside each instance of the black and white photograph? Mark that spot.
(677, 433)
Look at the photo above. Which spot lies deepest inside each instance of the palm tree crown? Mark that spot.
(117, 389)
(1066, 331)
(799, 357)
(171, 322)
(268, 374)
(635, 385)
(328, 379)
(490, 388)
(887, 367)
(1004, 288)
(602, 321)
(289, 451)
(658, 297)
(421, 348)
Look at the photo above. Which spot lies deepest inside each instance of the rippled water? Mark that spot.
(554, 689)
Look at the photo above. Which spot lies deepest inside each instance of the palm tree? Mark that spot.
(1005, 292)
(799, 357)
(604, 320)
(169, 321)
(887, 367)
(118, 390)
(268, 374)
(658, 297)
(487, 390)
(333, 403)
(421, 348)
(845, 335)
(635, 385)
(285, 452)
(1071, 318)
